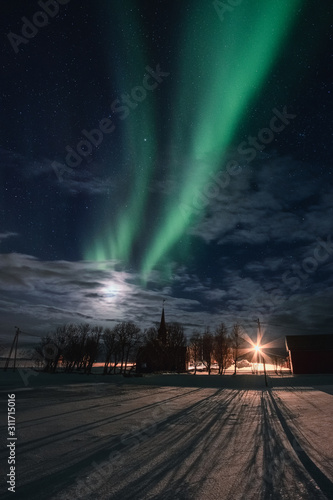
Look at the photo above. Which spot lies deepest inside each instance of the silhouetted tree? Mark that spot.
(221, 347)
(236, 342)
(81, 356)
(47, 354)
(92, 347)
(71, 347)
(163, 353)
(121, 335)
(207, 349)
(53, 350)
(176, 348)
(120, 345)
(111, 348)
(150, 353)
(76, 346)
(133, 340)
(195, 349)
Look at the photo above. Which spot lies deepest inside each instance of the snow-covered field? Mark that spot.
(170, 437)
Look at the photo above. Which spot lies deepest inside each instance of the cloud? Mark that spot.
(29, 168)
(40, 295)
(84, 179)
(276, 201)
(5, 236)
(86, 183)
(216, 294)
(302, 314)
(268, 264)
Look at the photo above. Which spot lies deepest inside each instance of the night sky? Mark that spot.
(158, 149)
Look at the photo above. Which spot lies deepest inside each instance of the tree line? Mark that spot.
(220, 347)
(126, 347)
(78, 346)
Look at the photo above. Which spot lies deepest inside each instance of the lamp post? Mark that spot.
(262, 356)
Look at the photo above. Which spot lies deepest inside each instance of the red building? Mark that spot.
(310, 353)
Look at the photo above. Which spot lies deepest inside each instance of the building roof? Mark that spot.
(162, 324)
(162, 331)
(320, 342)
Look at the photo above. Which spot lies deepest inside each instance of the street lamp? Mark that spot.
(258, 351)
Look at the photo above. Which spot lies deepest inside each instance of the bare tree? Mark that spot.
(63, 344)
(92, 347)
(195, 349)
(75, 345)
(133, 340)
(111, 349)
(176, 347)
(221, 348)
(121, 336)
(47, 353)
(82, 357)
(236, 341)
(121, 345)
(72, 354)
(207, 349)
(54, 349)
(149, 354)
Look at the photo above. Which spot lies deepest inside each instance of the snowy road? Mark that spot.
(116, 441)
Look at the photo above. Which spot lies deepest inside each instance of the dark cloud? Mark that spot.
(45, 294)
(5, 236)
(269, 203)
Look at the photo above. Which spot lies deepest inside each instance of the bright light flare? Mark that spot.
(256, 347)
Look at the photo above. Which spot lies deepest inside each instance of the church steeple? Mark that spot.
(162, 331)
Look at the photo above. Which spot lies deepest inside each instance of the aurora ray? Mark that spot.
(114, 240)
(232, 71)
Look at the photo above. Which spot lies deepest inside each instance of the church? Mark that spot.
(164, 349)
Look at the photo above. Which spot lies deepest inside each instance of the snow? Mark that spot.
(173, 437)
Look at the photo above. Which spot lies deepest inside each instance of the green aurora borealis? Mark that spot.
(196, 148)
(218, 75)
(118, 235)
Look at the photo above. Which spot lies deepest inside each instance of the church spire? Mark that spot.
(162, 331)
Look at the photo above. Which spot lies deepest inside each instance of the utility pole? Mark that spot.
(14, 346)
(262, 356)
